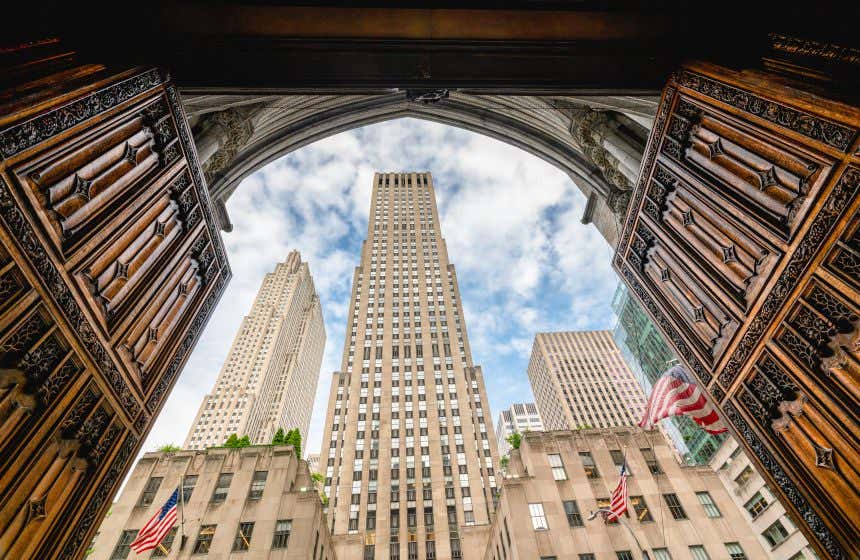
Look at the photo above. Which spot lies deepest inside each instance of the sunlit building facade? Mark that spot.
(518, 419)
(270, 376)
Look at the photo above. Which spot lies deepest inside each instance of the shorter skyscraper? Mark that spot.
(580, 380)
(313, 460)
(519, 418)
(648, 356)
(258, 501)
(555, 479)
(270, 376)
(762, 510)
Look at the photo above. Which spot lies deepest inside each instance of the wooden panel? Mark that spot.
(742, 244)
(110, 265)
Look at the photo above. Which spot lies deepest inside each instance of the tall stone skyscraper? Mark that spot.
(579, 379)
(518, 419)
(270, 376)
(409, 451)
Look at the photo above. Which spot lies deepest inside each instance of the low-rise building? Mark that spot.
(761, 509)
(555, 479)
(257, 500)
(519, 418)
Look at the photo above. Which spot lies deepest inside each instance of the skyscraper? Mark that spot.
(579, 379)
(649, 356)
(519, 418)
(269, 378)
(409, 452)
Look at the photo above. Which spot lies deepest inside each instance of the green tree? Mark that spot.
(514, 439)
(169, 448)
(244, 441)
(232, 441)
(279, 437)
(294, 438)
(504, 462)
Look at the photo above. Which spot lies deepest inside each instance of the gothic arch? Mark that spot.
(596, 141)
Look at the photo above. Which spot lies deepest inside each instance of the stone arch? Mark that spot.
(596, 141)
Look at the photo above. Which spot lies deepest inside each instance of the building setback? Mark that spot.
(519, 418)
(409, 451)
(557, 478)
(762, 510)
(255, 503)
(579, 379)
(648, 356)
(270, 376)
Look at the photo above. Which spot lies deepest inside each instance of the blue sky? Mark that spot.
(511, 221)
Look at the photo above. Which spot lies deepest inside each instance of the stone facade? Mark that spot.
(409, 452)
(255, 502)
(762, 510)
(543, 510)
(269, 378)
(519, 418)
(579, 379)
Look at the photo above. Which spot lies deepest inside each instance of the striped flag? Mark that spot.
(160, 524)
(677, 394)
(618, 500)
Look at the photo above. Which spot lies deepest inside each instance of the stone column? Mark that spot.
(221, 135)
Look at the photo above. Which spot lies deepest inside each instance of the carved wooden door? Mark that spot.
(742, 243)
(110, 265)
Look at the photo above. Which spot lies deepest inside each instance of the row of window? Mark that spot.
(590, 467)
(203, 543)
(219, 494)
(697, 552)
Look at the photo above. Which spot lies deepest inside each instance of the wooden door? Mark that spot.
(742, 243)
(110, 265)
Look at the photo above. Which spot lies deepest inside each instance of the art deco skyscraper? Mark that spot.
(580, 379)
(518, 419)
(409, 451)
(270, 376)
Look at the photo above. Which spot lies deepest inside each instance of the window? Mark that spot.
(558, 472)
(166, 544)
(756, 505)
(148, 495)
(586, 556)
(258, 483)
(735, 551)
(222, 487)
(641, 509)
(618, 459)
(623, 555)
(123, 546)
(243, 536)
(574, 518)
(538, 517)
(281, 538)
(675, 506)
(698, 552)
(588, 464)
(742, 479)
(204, 539)
(549, 558)
(662, 554)
(711, 509)
(775, 534)
(431, 550)
(188, 484)
(651, 460)
(369, 551)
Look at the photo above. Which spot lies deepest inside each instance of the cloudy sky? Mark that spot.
(512, 224)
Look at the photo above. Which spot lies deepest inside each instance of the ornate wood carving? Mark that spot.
(109, 268)
(742, 244)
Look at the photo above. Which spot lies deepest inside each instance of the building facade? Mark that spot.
(519, 418)
(763, 511)
(313, 460)
(269, 378)
(258, 501)
(648, 356)
(557, 478)
(409, 451)
(580, 380)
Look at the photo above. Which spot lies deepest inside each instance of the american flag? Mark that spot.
(677, 394)
(160, 524)
(618, 500)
